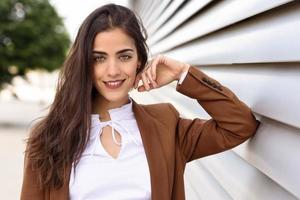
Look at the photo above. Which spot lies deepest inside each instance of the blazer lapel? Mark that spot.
(149, 129)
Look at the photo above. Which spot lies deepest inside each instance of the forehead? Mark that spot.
(113, 39)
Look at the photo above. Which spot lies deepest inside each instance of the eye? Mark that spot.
(125, 57)
(99, 59)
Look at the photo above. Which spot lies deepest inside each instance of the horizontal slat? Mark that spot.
(275, 151)
(190, 193)
(264, 38)
(161, 6)
(269, 89)
(183, 14)
(149, 10)
(243, 181)
(202, 183)
(165, 16)
(222, 14)
(145, 8)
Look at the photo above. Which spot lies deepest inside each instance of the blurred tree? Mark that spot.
(32, 36)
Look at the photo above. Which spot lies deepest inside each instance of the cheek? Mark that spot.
(129, 69)
(97, 71)
(132, 72)
(96, 75)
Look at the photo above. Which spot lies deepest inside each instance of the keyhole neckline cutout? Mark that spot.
(110, 147)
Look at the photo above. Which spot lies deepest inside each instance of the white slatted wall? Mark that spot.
(253, 47)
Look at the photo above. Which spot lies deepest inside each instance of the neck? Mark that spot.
(102, 105)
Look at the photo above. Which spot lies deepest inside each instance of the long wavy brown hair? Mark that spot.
(58, 140)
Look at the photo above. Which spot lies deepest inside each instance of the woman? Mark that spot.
(98, 143)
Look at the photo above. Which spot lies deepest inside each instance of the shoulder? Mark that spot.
(155, 106)
(161, 110)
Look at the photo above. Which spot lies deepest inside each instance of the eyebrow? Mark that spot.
(121, 51)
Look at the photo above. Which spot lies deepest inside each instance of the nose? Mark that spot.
(113, 68)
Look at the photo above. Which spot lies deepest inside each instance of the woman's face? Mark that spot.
(115, 64)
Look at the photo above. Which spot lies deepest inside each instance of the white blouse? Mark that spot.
(100, 176)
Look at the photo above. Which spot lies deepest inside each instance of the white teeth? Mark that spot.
(113, 83)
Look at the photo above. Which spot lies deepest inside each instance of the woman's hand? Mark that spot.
(159, 72)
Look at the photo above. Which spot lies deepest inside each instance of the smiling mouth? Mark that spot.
(114, 84)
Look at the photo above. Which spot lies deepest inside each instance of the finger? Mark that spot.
(145, 81)
(141, 88)
(149, 77)
(149, 62)
(153, 72)
(137, 80)
(154, 64)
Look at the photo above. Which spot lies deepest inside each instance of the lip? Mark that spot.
(113, 84)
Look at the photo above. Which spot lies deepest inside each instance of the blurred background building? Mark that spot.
(251, 46)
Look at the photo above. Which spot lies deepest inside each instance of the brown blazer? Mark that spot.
(171, 141)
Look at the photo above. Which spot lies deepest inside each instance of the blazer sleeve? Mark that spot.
(231, 124)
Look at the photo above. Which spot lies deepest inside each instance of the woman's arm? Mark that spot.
(231, 124)
(232, 121)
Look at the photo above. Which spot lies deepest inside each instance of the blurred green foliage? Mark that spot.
(32, 36)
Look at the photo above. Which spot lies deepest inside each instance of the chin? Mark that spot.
(115, 98)
(120, 95)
